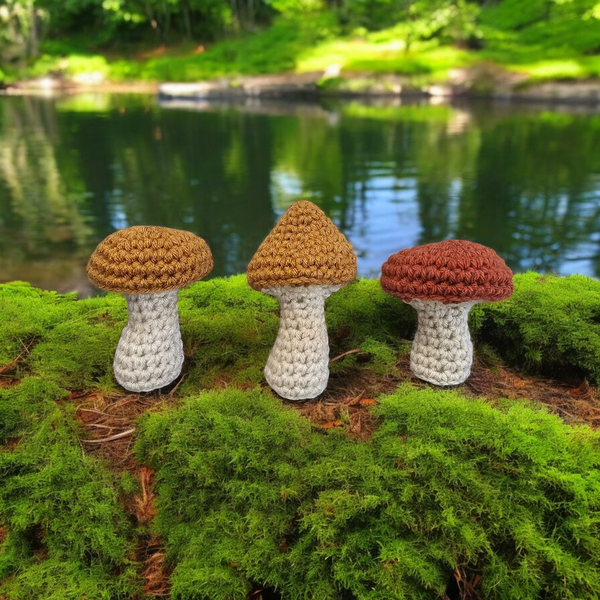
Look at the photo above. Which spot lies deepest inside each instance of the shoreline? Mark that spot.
(472, 83)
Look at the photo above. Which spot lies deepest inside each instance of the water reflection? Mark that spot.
(523, 180)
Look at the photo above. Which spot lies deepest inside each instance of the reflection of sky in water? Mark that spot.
(524, 183)
(384, 218)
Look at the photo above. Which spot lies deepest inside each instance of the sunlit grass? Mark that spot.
(315, 45)
(390, 56)
(573, 68)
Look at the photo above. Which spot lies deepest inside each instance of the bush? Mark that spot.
(249, 492)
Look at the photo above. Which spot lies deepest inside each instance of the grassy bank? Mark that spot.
(504, 42)
(384, 488)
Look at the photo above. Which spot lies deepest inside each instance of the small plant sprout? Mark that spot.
(442, 282)
(302, 262)
(149, 265)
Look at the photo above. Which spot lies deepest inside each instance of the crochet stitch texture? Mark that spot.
(298, 364)
(301, 262)
(144, 259)
(304, 248)
(150, 351)
(443, 281)
(149, 265)
(443, 350)
(452, 271)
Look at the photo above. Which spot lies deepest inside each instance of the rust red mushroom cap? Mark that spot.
(452, 271)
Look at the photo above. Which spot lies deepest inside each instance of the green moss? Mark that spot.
(228, 329)
(550, 324)
(68, 536)
(60, 339)
(248, 492)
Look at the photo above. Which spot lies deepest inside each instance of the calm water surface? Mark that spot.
(524, 180)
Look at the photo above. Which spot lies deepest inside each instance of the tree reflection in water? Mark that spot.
(521, 179)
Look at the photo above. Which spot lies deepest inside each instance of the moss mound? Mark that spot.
(249, 493)
(68, 537)
(550, 325)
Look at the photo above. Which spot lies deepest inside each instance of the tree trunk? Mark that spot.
(250, 13)
(33, 33)
(187, 24)
(167, 26)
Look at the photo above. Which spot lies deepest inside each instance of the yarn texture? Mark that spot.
(442, 351)
(304, 248)
(298, 365)
(149, 354)
(442, 281)
(452, 271)
(146, 259)
(301, 262)
(149, 265)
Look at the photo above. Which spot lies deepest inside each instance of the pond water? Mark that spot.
(522, 179)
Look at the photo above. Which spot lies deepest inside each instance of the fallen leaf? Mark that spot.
(367, 402)
(331, 424)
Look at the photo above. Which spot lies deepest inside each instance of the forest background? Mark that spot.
(189, 40)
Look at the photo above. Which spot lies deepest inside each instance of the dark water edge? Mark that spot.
(522, 178)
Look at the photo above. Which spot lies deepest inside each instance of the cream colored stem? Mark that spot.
(298, 365)
(150, 352)
(442, 351)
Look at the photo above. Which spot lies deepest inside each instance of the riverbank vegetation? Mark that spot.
(188, 40)
(384, 487)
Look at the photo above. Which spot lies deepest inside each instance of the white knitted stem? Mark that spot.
(298, 365)
(150, 352)
(442, 352)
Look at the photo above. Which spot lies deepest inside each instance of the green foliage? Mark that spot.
(275, 33)
(525, 32)
(228, 329)
(249, 493)
(65, 341)
(273, 50)
(68, 537)
(550, 324)
(70, 67)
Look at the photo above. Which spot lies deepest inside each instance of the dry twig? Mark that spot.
(117, 436)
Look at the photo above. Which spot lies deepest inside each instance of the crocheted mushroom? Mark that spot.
(149, 265)
(301, 262)
(443, 281)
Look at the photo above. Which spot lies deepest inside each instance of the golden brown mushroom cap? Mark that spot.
(304, 248)
(451, 272)
(147, 259)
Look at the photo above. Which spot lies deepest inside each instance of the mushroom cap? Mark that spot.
(304, 248)
(147, 259)
(451, 272)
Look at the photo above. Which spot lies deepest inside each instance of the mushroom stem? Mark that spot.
(150, 352)
(442, 351)
(298, 365)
